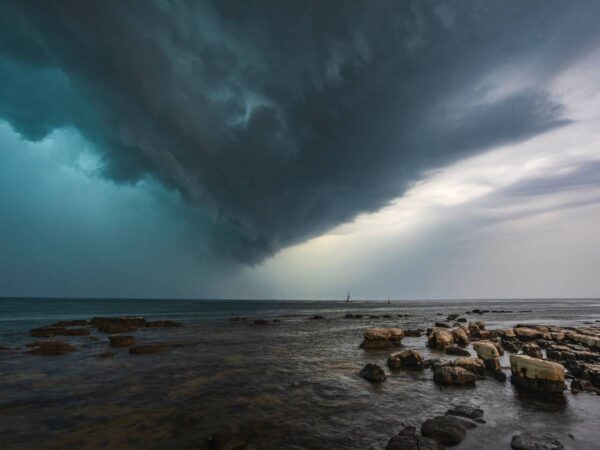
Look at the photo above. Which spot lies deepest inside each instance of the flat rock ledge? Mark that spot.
(527, 441)
(537, 374)
(375, 338)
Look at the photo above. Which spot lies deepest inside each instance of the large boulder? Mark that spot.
(446, 430)
(473, 365)
(537, 374)
(408, 439)
(488, 352)
(372, 373)
(382, 338)
(440, 339)
(460, 336)
(406, 359)
(448, 375)
(527, 441)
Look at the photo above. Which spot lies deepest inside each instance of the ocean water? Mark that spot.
(290, 385)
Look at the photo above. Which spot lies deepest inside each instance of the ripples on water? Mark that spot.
(290, 385)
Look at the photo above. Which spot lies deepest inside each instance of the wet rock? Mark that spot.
(452, 317)
(445, 430)
(408, 439)
(475, 329)
(488, 352)
(473, 365)
(260, 322)
(46, 331)
(386, 316)
(533, 350)
(461, 319)
(460, 336)
(70, 323)
(537, 374)
(527, 441)
(349, 316)
(73, 332)
(51, 348)
(146, 349)
(414, 333)
(500, 376)
(437, 363)
(440, 339)
(511, 346)
(106, 355)
(374, 317)
(466, 411)
(3, 348)
(442, 325)
(581, 386)
(228, 440)
(457, 351)
(111, 328)
(450, 375)
(372, 373)
(317, 317)
(121, 341)
(406, 359)
(382, 338)
(589, 341)
(162, 324)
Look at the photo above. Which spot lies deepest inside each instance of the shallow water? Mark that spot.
(290, 385)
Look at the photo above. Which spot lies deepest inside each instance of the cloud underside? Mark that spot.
(285, 119)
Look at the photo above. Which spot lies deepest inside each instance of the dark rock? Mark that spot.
(453, 375)
(358, 316)
(500, 376)
(121, 341)
(260, 322)
(73, 332)
(461, 319)
(51, 348)
(162, 324)
(442, 325)
(527, 441)
(533, 350)
(70, 323)
(317, 317)
(237, 319)
(444, 429)
(466, 411)
(146, 349)
(511, 346)
(111, 328)
(386, 316)
(457, 351)
(46, 331)
(414, 333)
(2, 348)
(125, 320)
(452, 317)
(407, 439)
(372, 373)
(105, 355)
(349, 316)
(436, 363)
(374, 317)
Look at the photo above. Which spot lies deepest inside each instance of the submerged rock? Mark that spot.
(382, 338)
(457, 351)
(406, 359)
(537, 374)
(451, 375)
(51, 348)
(527, 441)
(372, 373)
(121, 341)
(146, 349)
(414, 333)
(466, 411)
(445, 430)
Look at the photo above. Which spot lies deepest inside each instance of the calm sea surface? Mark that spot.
(289, 385)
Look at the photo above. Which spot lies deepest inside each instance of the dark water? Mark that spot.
(291, 385)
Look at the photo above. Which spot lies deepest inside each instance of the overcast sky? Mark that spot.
(300, 149)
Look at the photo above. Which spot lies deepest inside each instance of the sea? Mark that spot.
(291, 384)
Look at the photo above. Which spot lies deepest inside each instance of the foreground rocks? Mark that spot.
(50, 348)
(527, 441)
(406, 359)
(408, 439)
(440, 339)
(446, 430)
(468, 412)
(379, 338)
(372, 373)
(488, 352)
(537, 374)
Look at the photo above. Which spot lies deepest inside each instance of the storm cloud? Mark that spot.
(285, 119)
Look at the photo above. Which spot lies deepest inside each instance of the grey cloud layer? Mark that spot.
(284, 118)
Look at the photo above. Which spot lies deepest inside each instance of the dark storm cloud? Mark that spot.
(284, 118)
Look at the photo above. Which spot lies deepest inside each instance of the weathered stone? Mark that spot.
(121, 341)
(457, 351)
(511, 346)
(488, 352)
(382, 338)
(589, 341)
(533, 350)
(372, 373)
(537, 374)
(51, 348)
(406, 359)
(453, 375)
(473, 365)
(146, 349)
(460, 336)
(413, 333)
(440, 339)
(527, 441)
(445, 430)
(530, 334)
